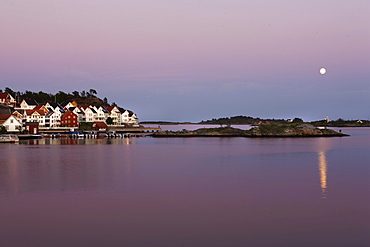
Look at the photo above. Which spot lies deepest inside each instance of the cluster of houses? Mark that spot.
(67, 114)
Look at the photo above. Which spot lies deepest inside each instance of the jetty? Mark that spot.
(115, 129)
(133, 129)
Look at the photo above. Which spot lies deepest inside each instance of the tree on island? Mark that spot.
(76, 94)
(297, 120)
(93, 92)
(59, 97)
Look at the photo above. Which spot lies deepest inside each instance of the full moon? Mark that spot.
(322, 71)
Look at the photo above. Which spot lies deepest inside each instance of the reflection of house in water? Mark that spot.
(323, 173)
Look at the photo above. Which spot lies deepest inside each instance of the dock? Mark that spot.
(114, 129)
(133, 130)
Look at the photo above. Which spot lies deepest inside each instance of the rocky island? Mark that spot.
(265, 130)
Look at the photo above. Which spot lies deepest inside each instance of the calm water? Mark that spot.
(186, 192)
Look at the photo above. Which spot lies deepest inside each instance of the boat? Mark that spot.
(8, 138)
(77, 134)
(29, 136)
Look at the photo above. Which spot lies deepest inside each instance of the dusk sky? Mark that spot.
(194, 60)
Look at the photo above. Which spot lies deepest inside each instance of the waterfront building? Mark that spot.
(114, 114)
(100, 126)
(129, 118)
(35, 116)
(7, 99)
(50, 114)
(10, 122)
(69, 119)
(52, 119)
(27, 104)
(89, 113)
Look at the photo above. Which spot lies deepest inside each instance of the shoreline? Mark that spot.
(160, 135)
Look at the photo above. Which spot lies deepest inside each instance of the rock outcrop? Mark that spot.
(267, 130)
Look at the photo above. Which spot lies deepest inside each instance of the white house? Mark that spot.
(53, 106)
(89, 113)
(114, 114)
(93, 113)
(52, 119)
(130, 118)
(134, 120)
(28, 104)
(125, 117)
(10, 122)
(34, 116)
(100, 114)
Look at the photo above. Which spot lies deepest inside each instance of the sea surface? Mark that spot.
(187, 192)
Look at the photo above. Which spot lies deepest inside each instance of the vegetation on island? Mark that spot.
(293, 129)
(342, 123)
(263, 130)
(241, 120)
(258, 121)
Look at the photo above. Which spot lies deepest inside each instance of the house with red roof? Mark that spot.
(41, 107)
(36, 116)
(100, 126)
(7, 99)
(114, 114)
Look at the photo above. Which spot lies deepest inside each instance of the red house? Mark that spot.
(101, 126)
(69, 119)
(32, 127)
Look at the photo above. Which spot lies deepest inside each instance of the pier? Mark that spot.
(110, 129)
(133, 130)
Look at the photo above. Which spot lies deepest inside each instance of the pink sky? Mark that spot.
(194, 60)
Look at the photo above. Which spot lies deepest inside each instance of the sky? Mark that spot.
(193, 60)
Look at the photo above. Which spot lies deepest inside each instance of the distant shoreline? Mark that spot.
(189, 123)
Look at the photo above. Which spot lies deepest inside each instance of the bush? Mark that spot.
(3, 130)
